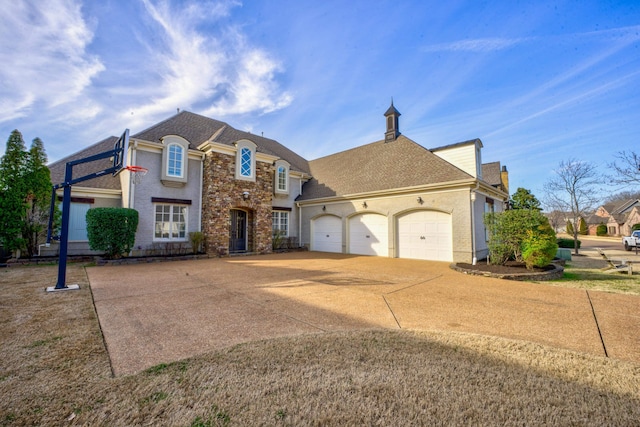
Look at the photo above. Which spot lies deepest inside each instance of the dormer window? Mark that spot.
(281, 178)
(246, 160)
(174, 161)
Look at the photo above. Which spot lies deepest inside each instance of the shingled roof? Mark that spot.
(491, 174)
(378, 166)
(107, 181)
(198, 129)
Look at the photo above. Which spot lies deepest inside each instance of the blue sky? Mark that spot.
(537, 82)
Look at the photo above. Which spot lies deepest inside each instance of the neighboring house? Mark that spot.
(618, 217)
(389, 198)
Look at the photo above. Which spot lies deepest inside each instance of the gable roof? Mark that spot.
(198, 129)
(107, 181)
(378, 166)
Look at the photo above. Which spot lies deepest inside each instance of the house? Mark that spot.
(618, 217)
(392, 197)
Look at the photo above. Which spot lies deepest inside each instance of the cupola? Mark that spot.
(393, 130)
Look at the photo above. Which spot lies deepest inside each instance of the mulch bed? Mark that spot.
(511, 267)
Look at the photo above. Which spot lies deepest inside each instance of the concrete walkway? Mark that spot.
(163, 312)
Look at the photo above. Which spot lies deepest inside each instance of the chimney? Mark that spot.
(504, 179)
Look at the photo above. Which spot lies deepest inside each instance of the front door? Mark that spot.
(238, 231)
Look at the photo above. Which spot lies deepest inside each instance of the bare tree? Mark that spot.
(573, 189)
(626, 168)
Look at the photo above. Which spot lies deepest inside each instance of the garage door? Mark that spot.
(425, 235)
(368, 235)
(327, 234)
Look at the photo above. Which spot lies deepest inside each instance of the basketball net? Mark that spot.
(137, 173)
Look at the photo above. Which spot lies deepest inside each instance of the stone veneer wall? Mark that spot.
(222, 192)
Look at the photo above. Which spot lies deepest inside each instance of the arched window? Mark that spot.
(281, 178)
(175, 160)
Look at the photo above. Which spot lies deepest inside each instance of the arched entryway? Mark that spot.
(237, 231)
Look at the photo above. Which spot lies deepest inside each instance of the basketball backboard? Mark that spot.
(120, 150)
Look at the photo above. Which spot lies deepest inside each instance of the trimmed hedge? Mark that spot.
(567, 243)
(601, 230)
(112, 230)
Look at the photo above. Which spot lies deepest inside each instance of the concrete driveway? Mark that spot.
(162, 312)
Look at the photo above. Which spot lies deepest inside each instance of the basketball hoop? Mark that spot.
(137, 172)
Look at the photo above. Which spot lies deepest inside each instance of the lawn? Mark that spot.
(55, 371)
(585, 273)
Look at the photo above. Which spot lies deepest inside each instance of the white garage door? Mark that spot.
(327, 234)
(425, 235)
(368, 235)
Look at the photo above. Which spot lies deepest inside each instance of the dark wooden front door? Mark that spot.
(238, 231)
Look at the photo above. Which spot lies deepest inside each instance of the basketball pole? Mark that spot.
(119, 154)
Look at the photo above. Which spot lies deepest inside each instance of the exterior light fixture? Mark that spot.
(324, 208)
(364, 204)
(420, 200)
(245, 195)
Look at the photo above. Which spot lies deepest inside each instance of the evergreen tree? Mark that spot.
(524, 199)
(12, 192)
(38, 196)
(570, 228)
(584, 230)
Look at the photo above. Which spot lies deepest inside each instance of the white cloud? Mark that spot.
(475, 45)
(43, 49)
(218, 69)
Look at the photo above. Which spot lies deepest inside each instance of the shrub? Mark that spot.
(112, 230)
(196, 238)
(567, 243)
(635, 227)
(569, 228)
(539, 247)
(601, 230)
(510, 229)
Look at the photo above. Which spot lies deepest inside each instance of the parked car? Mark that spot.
(631, 241)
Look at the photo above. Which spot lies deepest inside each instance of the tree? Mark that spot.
(12, 193)
(25, 187)
(38, 196)
(626, 168)
(573, 189)
(524, 199)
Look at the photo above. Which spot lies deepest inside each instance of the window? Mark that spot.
(281, 178)
(280, 222)
(175, 160)
(489, 207)
(170, 222)
(245, 162)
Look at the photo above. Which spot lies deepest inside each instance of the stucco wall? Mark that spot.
(151, 186)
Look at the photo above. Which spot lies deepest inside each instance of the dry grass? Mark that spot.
(584, 272)
(55, 371)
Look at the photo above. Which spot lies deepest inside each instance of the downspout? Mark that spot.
(202, 157)
(474, 259)
(133, 162)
